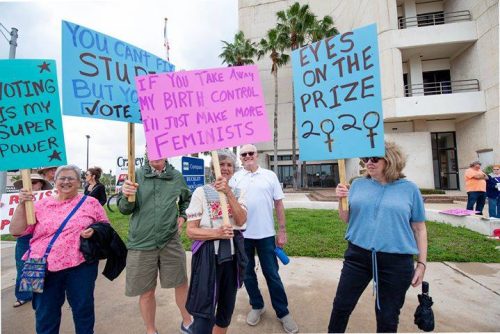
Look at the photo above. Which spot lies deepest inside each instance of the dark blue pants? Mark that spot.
(77, 284)
(494, 207)
(269, 264)
(395, 272)
(22, 246)
(478, 198)
(225, 296)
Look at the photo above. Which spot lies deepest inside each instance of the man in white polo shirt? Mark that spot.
(263, 191)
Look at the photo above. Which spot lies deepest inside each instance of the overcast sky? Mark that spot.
(195, 31)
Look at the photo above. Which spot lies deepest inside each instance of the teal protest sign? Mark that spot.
(99, 72)
(31, 132)
(338, 100)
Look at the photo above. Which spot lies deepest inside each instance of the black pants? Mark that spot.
(225, 297)
(395, 272)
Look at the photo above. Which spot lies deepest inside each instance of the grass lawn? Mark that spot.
(320, 233)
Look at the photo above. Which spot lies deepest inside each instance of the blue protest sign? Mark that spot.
(31, 132)
(193, 170)
(338, 101)
(99, 72)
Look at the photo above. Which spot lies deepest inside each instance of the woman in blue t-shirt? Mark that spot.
(386, 218)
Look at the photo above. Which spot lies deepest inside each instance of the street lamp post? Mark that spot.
(12, 55)
(88, 137)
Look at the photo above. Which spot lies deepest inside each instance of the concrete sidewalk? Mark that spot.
(466, 299)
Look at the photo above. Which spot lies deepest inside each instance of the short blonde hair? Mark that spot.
(395, 162)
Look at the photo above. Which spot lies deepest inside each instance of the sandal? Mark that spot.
(20, 303)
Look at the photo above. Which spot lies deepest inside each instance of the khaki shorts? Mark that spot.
(143, 267)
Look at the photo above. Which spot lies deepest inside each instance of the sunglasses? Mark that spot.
(373, 159)
(250, 154)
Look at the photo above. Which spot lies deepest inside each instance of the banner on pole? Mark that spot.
(338, 100)
(99, 72)
(194, 111)
(10, 203)
(31, 131)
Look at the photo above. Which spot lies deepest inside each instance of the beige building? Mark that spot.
(439, 71)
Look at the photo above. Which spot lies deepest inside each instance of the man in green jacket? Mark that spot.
(154, 245)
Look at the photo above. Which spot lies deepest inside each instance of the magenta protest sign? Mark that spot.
(194, 111)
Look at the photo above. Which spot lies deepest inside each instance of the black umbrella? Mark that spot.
(424, 317)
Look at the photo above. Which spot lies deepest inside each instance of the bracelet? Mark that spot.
(420, 262)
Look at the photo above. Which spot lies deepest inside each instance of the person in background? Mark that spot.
(219, 256)
(93, 187)
(493, 192)
(154, 245)
(48, 174)
(68, 275)
(23, 241)
(263, 192)
(475, 185)
(386, 227)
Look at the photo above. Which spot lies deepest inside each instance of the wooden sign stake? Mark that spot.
(28, 205)
(343, 181)
(131, 157)
(222, 196)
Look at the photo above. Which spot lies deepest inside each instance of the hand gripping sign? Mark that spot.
(202, 110)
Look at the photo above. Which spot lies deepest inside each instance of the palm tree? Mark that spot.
(294, 24)
(238, 53)
(323, 28)
(274, 46)
(297, 27)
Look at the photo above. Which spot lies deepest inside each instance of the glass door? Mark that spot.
(445, 161)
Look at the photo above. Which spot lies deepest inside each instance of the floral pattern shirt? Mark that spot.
(50, 213)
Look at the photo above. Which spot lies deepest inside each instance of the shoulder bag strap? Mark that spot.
(59, 230)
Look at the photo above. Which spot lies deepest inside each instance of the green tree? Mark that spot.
(238, 53)
(273, 46)
(298, 26)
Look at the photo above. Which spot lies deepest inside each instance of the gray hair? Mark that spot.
(74, 168)
(225, 154)
(475, 162)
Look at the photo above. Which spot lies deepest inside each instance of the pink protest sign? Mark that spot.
(458, 212)
(194, 111)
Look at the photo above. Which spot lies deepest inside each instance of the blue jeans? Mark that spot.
(78, 284)
(494, 207)
(269, 264)
(22, 246)
(478, 198)
(395, 272)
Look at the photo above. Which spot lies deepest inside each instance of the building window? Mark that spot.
(437, 82)
(282, 157)
(323, 175)
(430, 19)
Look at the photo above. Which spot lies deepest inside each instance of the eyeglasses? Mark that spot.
(373, 159)
(66, 178)
(250, 154)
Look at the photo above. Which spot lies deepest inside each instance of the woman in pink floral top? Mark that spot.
(68, 273)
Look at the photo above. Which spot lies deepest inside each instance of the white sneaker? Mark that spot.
(253, 317)
(289, 325)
